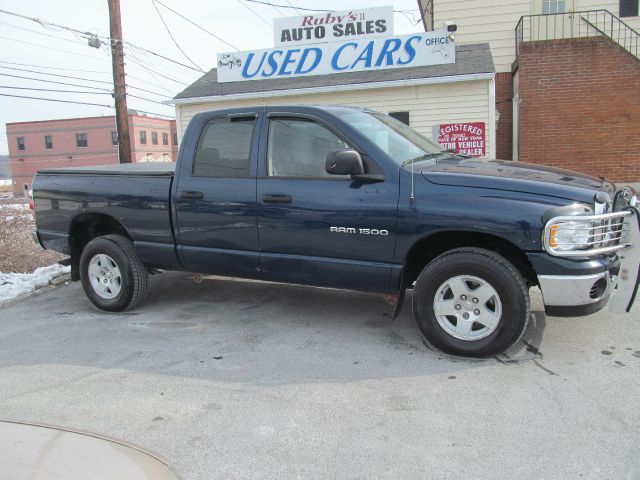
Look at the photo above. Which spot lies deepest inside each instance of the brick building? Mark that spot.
(567, 78)
(84, 142)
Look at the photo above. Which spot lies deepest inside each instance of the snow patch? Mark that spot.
(13, 285)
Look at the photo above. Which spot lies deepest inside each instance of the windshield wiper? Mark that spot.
(423, 157)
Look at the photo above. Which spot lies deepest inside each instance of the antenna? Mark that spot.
(412, 197)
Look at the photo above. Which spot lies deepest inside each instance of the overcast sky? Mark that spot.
(243, 24)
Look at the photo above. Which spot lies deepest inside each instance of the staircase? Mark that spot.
(589, 23)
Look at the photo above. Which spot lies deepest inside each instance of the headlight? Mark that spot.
(566, 236)
(586, 235)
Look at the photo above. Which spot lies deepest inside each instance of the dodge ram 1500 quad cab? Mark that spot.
(349, 198)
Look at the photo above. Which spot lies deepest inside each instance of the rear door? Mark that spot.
(316, 228)
(215, 196)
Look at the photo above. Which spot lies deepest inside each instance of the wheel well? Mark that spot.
(85, 228)
(427, 249)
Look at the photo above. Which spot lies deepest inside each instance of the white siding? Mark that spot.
(612, 5)
(478, 21)
(494, 21)
(427, 105)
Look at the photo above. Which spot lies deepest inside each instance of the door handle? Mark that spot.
(276, 198)
(192, 195)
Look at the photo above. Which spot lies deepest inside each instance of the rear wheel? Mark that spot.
(471, 302)
(112, 275)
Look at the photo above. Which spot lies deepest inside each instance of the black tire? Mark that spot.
(496, 271)
(133, 274)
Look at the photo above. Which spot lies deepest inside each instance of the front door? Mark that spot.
(215, 198)
(556, 21)
(316, 228)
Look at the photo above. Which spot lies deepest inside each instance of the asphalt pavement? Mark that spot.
(232, 380)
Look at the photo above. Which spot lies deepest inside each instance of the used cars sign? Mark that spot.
(413, 50)
(333, 26)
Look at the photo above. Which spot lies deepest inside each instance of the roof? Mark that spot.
(470, 59)
(130, 113)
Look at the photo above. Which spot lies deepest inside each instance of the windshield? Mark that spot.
(399, 141)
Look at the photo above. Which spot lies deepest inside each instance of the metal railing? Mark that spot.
(589, 23)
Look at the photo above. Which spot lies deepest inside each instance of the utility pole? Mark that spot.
(119, 82)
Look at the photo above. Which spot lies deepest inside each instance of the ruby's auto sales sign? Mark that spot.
(333, 26)
(466, 138)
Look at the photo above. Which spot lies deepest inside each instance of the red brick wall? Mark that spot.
(100, 150)
(504, 105)
(580, 107)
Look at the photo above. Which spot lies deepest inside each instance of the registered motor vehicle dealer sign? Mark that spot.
(466, 138)
(413, 50)
(333, 26)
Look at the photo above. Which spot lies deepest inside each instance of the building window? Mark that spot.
(143, 137)
(629, 8)
(154, 138)
(175, 138)
(402, 116)
(81, 140)
(165, 138)
(20, 143)
(48, 142)
(553, 6)
(114, 138)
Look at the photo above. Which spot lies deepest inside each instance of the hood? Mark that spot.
(515, 176)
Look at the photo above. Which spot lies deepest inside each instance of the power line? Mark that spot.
(196, 25)
(292, 6)
(151, 72)
(57, 75)
(298, 9)
(103, 72)
(52, 81)
(39, 33)
(108, 40)
(80, 103)
(55, 100)
(173, 39)
(78, 78)
(146, 99)
(75, 78)
(57, 68)
(54, 90)
(255, 13)
(54, 49)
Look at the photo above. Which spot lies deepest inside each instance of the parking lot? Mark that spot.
(231, 379)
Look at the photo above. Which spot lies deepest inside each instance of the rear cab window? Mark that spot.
(224, 148)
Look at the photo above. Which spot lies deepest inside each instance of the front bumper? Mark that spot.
(575, 287)
(577, 295)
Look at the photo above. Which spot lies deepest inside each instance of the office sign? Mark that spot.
(466, 138)
(413, 50)
(333, 26)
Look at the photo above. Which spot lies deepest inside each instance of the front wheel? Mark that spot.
(471, 302)
(112, 275)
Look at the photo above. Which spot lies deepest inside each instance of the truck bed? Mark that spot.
(146, 169)
(136, 196)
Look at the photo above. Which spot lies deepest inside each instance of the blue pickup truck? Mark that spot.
(352, 199)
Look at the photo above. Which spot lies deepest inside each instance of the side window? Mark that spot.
(298, 148)
(224, 149)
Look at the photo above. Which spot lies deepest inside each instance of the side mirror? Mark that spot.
(344, 162)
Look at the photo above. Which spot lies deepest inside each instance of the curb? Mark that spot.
(56, 282)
